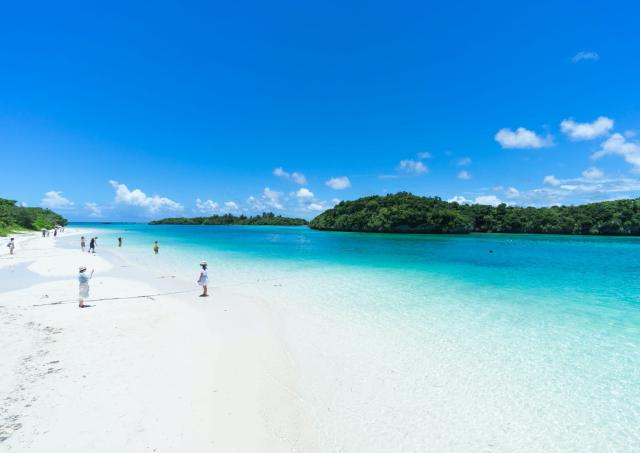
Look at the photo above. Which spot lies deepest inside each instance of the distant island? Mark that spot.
(404, 212)
(267, 218)
(15, 218)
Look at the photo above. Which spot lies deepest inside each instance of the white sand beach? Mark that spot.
(141, 369)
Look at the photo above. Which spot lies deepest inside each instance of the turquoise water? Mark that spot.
(443, 343)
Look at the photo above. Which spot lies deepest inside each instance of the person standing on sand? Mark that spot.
(203, 280)
(155, 247)
(11, 245)
(83, 279)
(119, 242)
(82, 243)
(92, 245)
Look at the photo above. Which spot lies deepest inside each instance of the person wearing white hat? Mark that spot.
(203, 280)
(83, 278)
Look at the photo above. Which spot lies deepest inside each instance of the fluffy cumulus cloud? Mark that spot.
(464, 175)
(93, 209)
(272, 198)
(338, 183)
(255, 203)
(591, 186)
(587, 131)
(512, 192)
(54, 200)
(296, 177)
(618, 145)
(413, 167)
(585, 55)
(522, 138)
(488, 199)
(231, 206)
(459, 199)
(316, 207)
(207, 206)
(304, 194)
(593, 173)
(152, 204)
(551, 180)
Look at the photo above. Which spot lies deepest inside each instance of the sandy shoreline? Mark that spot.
(139, 370)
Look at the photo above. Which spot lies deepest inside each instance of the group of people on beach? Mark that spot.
(45, 232)
(11, 245)
(92, 244)
(84, 278)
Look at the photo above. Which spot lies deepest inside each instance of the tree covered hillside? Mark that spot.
(267, 218)
(407, 213)
(15, 218)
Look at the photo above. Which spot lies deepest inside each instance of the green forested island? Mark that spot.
(407, 213)
(267, 218)
(16, 218)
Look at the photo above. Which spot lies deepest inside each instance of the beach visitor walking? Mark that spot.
(92, 245)
(82, 243)
(203, 280)
(119, 242)
(55, 232)
(11, 245)
(83, 279)
(156, 248)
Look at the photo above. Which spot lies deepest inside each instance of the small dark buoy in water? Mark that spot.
(490, 251)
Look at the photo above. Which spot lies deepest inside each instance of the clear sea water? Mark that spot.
(438, 343)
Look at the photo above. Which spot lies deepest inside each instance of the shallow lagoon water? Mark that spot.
(443, 343)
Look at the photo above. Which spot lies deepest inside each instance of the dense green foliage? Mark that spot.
(267, 218)
(15, 218)
(404, 212)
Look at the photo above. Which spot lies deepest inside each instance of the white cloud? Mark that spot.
(585, 55)
(587, 131)
(93, 209)
(512, 192)
(316, 207)
(296, 176)
(412, 166)
(272, 198)
(278, 171)
(54, 200)
(464, 161)
(339, 183)
(551, 180)
(207, 206)
(335, 201)
(138, 198)
(424, 155)
(488, 199)
(255, 203)
(592, 173)
(579, 190)
(522, 138)
(617, 144)
(304, 194)
(231, 206)
(464, 174)
(459, 199)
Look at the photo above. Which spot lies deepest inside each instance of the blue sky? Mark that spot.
(130, 111)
